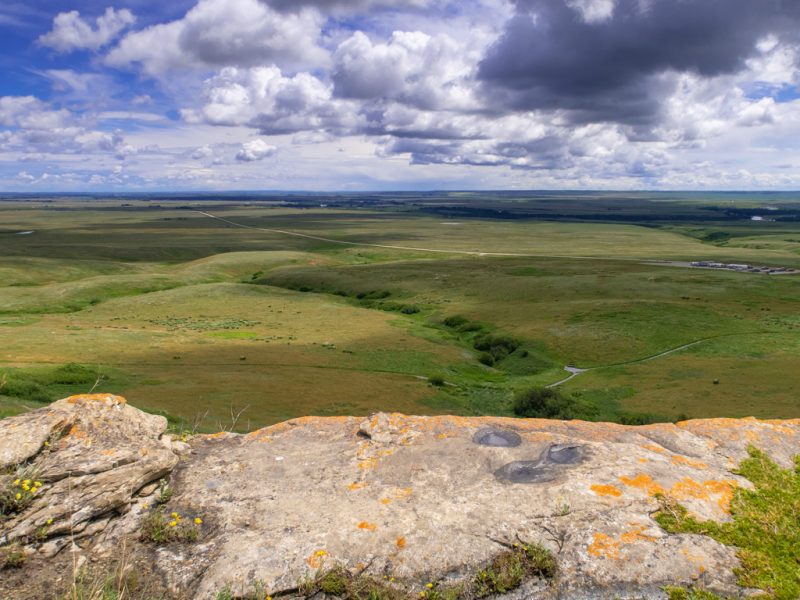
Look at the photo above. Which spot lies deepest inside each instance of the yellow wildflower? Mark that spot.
(26, 487)
(198, 521)
(429, 586)
(173, 523)
(18, 496)
(49, 521)
(391, 580)
(145, 506)
(175, 515)
(16, 482)
(26, 482)
(46, 444)
(37, 484)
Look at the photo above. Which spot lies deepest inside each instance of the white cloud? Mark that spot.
(72, 32)
(255, 150)
(263, 98)
(217, 33)
(412, 67)
(35, 127)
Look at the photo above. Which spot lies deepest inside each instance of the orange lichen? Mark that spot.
(604, 546)
(386, 501)
(401, 542)
(643, 460)
(643, 481)
(636, 535)
(317, 559)
(677, 459)
(96, 398)
(357, 485)
(367, 526)
(216, 436)
(606, 490)
(654, 448)
(367, 464)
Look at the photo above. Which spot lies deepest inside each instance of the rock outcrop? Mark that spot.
(417, 499)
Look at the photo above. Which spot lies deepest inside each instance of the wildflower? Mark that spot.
(173, 523)
(198, 521)
(391, 580)
(429, 586)
(18, 496)
(268, 598)
(320, 553)
(16, 482)
(145, 506)
(37, 484)
(175, 515)
(49, 521)
(26, 487)
(46, 444)
(422, 594)
(26, 482)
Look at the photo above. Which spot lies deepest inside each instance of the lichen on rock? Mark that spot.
(412, 499)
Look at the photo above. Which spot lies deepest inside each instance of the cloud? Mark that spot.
(218, 33)
(620, 60)
(255, 150)
(35, 127)
(263, 98)
(345, 5)
(71, 32)
(412, 68)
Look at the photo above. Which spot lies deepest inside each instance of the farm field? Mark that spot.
(275, 310)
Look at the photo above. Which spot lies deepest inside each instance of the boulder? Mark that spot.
(417, 499)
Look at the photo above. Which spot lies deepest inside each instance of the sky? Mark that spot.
(338, 95)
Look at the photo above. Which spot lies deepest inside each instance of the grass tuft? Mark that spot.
(765, 526)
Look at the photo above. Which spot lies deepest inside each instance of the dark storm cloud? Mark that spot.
(619, 68)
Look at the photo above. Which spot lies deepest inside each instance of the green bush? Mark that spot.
(486, 359)
(499, 346)
(549, 403)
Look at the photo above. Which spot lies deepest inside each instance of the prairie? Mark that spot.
(205, 320)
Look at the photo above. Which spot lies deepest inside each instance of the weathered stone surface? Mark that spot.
(414, 498)
(100, 453)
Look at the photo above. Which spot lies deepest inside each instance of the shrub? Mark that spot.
(455, 321)
(436, 380)
(499, 346)
(549, 403)
(486, 359)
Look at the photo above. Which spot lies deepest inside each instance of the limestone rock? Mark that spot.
(99, 453)
(414, 498)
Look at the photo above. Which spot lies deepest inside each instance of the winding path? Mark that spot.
(575, 371)
(572, 370)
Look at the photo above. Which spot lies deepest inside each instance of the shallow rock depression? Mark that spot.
(405, 499)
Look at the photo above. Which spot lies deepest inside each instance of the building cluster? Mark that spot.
(706, 264)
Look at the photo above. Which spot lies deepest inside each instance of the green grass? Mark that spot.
(161, 300)
(46, 384)
(764, 528)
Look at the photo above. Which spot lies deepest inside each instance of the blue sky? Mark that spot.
(140, 95)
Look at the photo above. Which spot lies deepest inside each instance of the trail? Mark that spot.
(575, 371)
(572, 370)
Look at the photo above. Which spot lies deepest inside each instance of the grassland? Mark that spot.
(201, 318)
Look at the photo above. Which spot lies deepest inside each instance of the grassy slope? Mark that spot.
(133, 289)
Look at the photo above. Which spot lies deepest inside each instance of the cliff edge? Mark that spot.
(415, 502)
